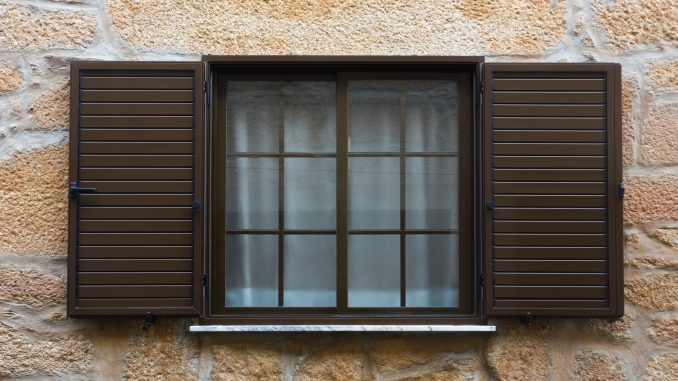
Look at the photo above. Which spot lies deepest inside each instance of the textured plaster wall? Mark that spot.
(38, 38)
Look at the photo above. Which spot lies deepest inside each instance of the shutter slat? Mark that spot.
(549, 252)
(548, 110)
(135, 252)
(136, 226)
(549, 174)
(538, 97)
(136, 96)
(543, 123)
(141, 266)
(136, 161)
(138, 135)
(101, 278)
(548, 279)
(136, 121)
(552, 228)
(136, 173)
(560, 201)
(549, 136)
(135, 242)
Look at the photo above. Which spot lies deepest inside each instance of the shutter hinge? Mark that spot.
(206, 89)
(622, 189)
(196, 206)
(150, 319)
(489, 205)
(204, 283)
(479, 94)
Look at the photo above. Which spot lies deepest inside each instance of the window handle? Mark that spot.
(76, 189)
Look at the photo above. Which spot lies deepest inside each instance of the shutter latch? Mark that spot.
(527, 319)
(150, 319)
(490, 205)
(621, 190)
(76, 189)
(196, 206)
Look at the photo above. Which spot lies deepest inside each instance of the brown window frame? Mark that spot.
(464, 69)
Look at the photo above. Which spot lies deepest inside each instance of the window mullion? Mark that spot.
(342, 193)
(403, 273)
(281, 202)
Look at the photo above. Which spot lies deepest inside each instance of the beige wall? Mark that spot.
(39, 37)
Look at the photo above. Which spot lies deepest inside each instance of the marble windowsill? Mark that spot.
(342, 328)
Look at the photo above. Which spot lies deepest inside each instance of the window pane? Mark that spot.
(432, 270)
(253, 113)
(374, 193)
(251, 193)
(431, 192)
(374, 271)
(431, 116)
(310, 193)
(310, 271)
(310, 116)
(251, 270)
(374, 116)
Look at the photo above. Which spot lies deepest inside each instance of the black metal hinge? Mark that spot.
(75, 189)
(489, 205)
(479, 94)
(622, 190)
(206, 89)
(204, 283)
(196, 206)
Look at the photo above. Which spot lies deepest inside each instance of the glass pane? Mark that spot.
(253, 116)
(374, 271)
(251, 193)
(374, 116)
(373, 193)
(431, 192)
(310, 116)
(310, 271)
(431, 116)
(432, 270)
(251, 270)
(310, 193)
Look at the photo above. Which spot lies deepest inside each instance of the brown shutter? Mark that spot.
(552, 167)
(135, 189)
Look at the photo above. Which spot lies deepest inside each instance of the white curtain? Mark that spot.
(377, 110)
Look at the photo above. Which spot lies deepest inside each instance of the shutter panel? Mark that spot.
(552, 167)
(136, 181)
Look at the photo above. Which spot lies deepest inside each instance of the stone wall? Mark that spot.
(38, 38)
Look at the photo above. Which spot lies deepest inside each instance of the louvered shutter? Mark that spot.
(552, 167)
(135, 189)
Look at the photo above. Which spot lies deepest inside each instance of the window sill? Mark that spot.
(342, 328)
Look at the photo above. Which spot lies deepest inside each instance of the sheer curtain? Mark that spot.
(426, 111)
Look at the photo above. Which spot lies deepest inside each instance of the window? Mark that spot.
(342, 192)
(345, 190)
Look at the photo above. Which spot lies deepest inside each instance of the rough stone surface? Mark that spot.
(595, 366)
(10, 79)
(245, 361)
(51, 110)
(33, 202)
(667, 236)
(662, 367)
(629, 97)
(651, 199)
(630, 24)
(664, 331)
(662, 76)
(654, 261)
(165, 351)
(346, 27)
(656, 292)
(31, 287)
(618, 330)
(520, 353)
(339, 362)
(25, 353)
(460, 370)
(30, 28)
(660, 125)
(394, 354)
